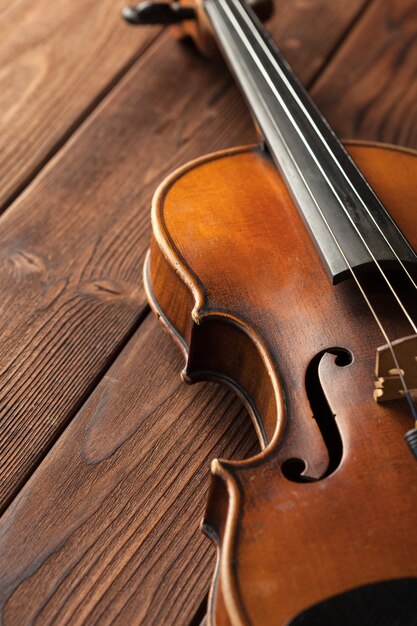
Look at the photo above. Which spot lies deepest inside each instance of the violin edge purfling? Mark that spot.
(257, 269)
(209, 333)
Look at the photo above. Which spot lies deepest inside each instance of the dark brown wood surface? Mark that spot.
(106, 528)
(58, 60)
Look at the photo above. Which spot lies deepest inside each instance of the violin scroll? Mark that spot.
(162, 13)
(187, 19)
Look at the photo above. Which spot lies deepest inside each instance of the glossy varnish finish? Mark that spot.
(71, 301)
(77, 544)
(262, 309)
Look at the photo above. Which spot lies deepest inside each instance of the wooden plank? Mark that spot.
(57, 60)
(374, 86)
(72, 246)
(109, 539)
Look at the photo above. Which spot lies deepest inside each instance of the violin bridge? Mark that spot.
(388, 384)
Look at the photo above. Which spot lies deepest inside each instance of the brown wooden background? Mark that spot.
(104, 452)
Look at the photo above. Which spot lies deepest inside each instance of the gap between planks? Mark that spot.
(343, 39)
(41, 455)
(76, 125)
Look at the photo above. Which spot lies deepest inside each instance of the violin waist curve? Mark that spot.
(328, 505)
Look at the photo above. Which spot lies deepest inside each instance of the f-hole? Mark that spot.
(293, 468)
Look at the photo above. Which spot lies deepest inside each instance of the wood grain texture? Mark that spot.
(106, 513)
(57, 60)
(374, 77)
(72, 246)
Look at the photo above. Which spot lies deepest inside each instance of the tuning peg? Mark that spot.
(146, 13)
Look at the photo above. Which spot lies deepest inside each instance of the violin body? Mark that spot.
(329, 504)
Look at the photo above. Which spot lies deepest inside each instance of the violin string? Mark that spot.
(388, 341)
(311, 152)
(384, 333)
(294, 94)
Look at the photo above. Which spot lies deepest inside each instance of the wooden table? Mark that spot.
(104, 452)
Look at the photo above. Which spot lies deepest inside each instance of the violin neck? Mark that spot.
(336, 203)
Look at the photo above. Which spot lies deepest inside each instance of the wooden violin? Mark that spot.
(287, 270)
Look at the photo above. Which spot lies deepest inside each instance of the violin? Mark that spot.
(287, 270)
